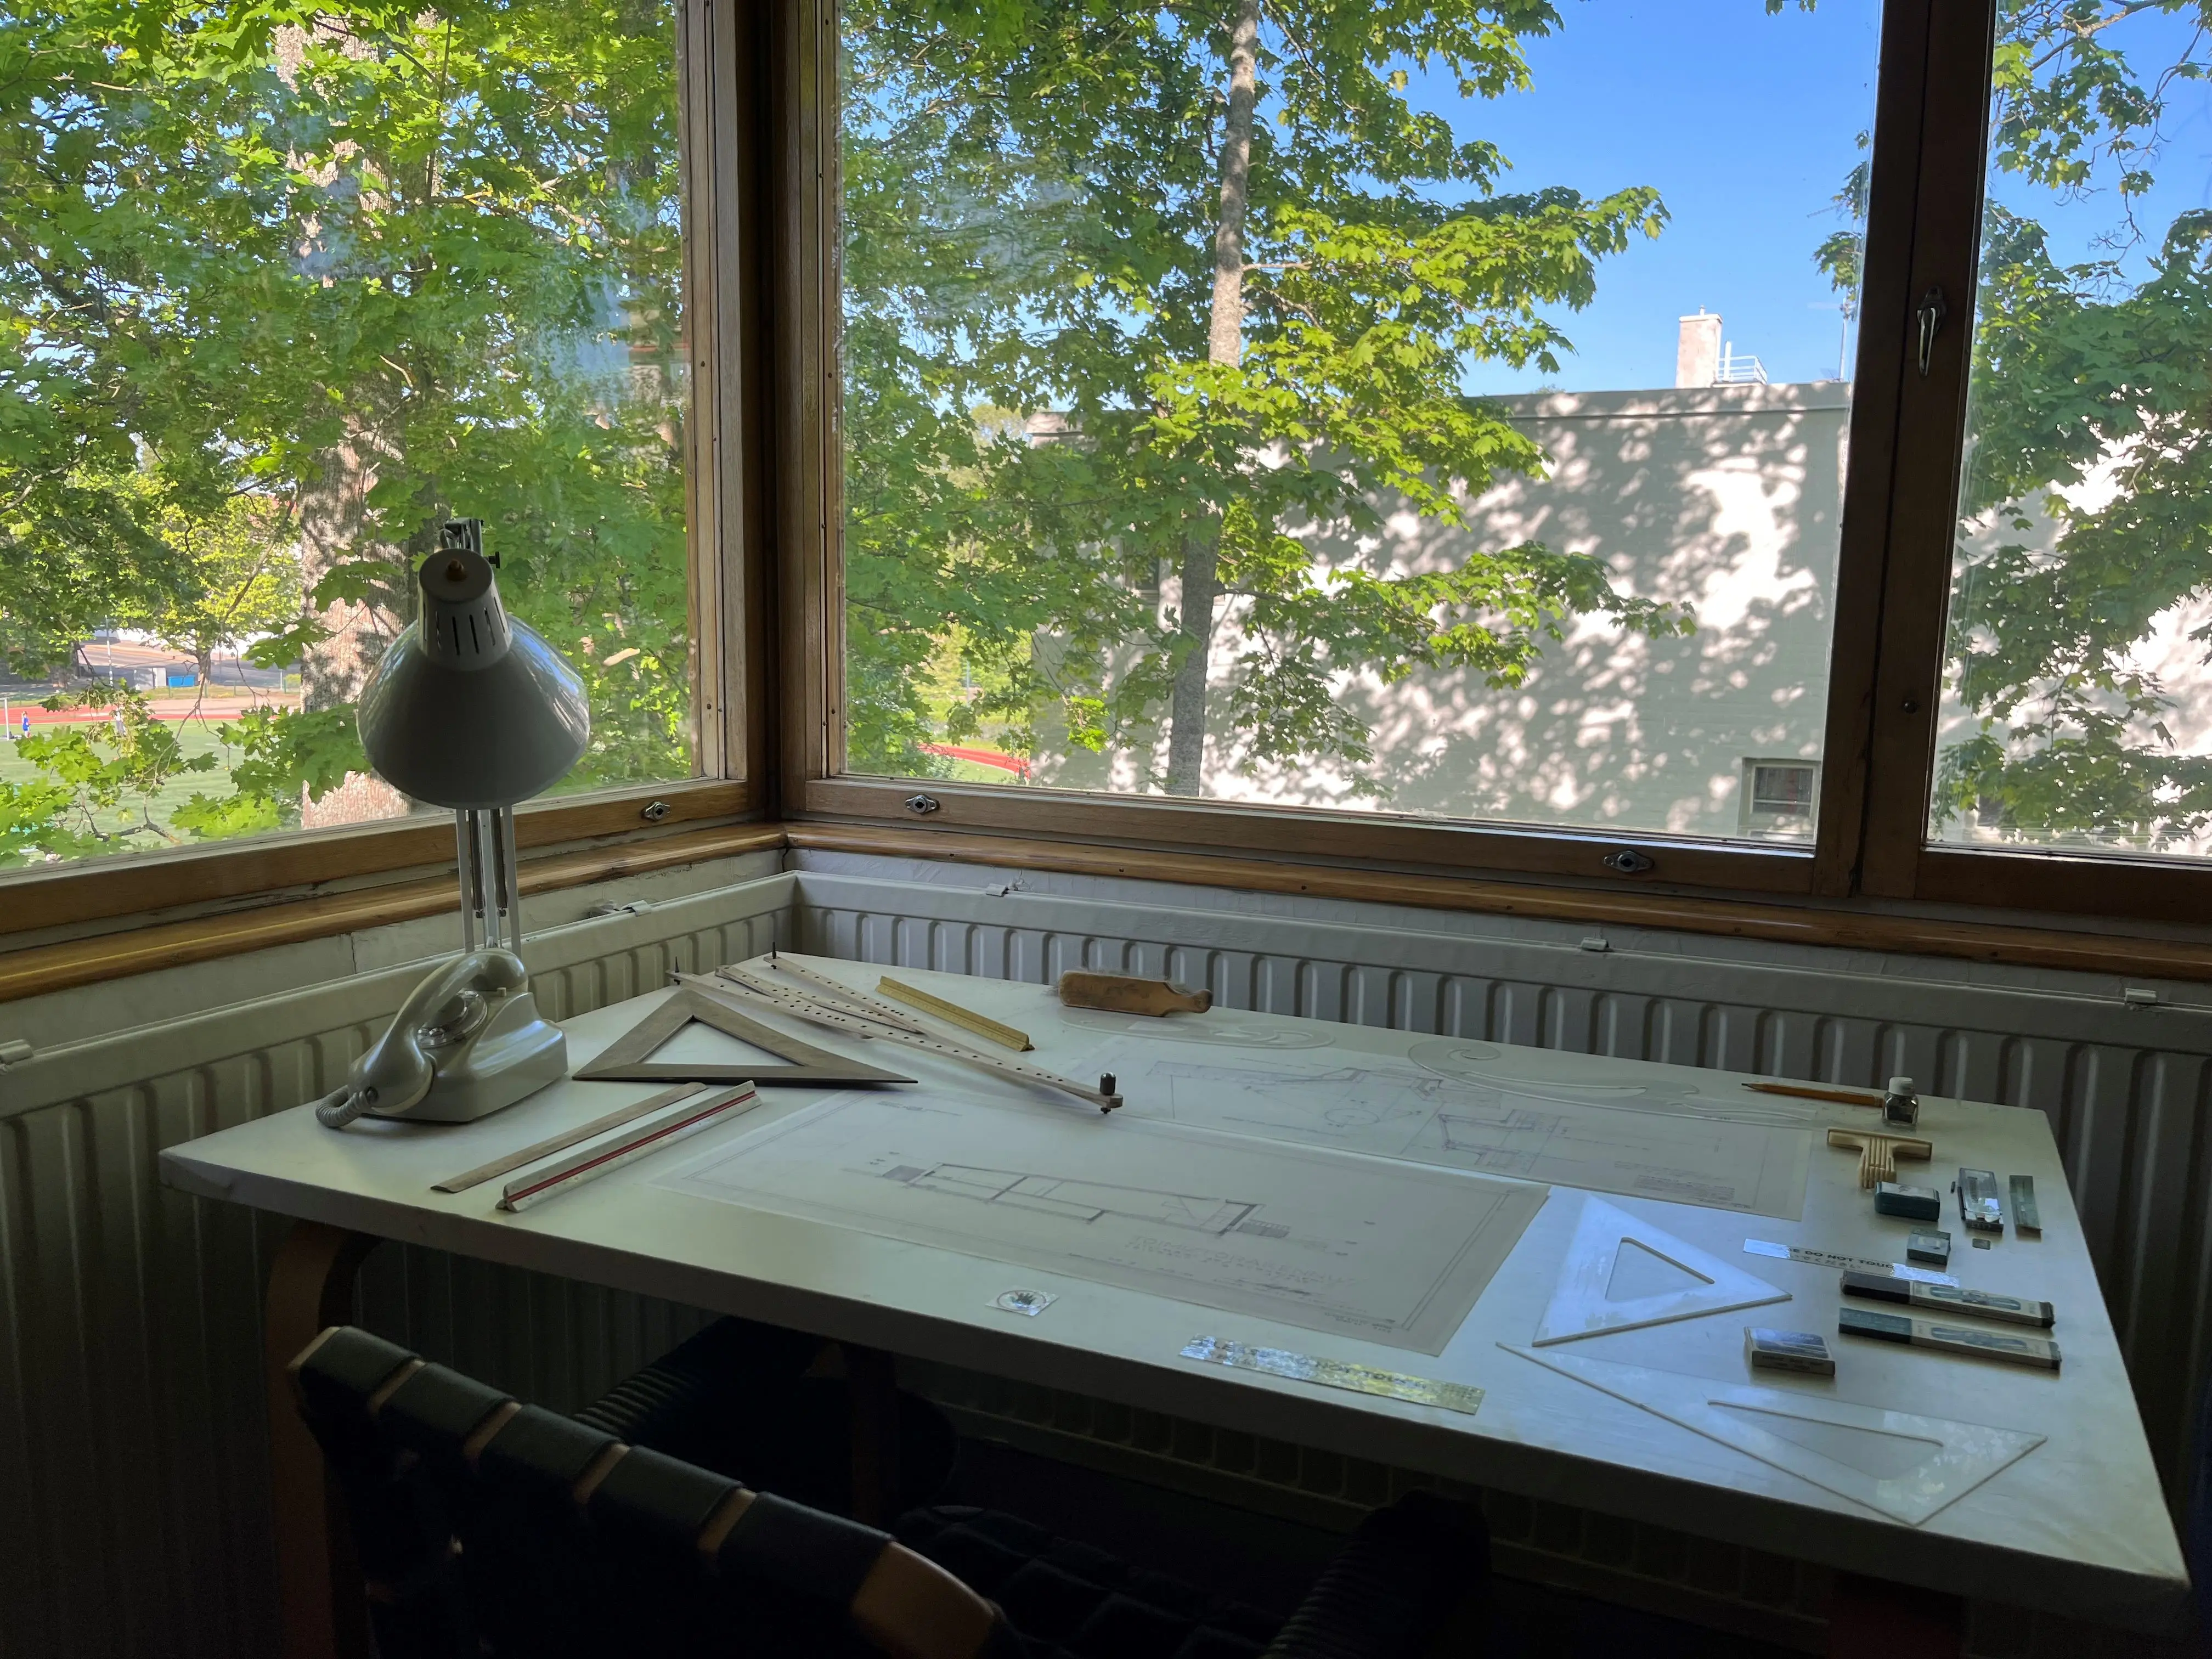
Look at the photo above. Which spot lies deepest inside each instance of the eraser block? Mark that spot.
(1928, 1245)
(1912, 1203)
(1788, 1351)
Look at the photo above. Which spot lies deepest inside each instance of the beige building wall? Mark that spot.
(1724, 498)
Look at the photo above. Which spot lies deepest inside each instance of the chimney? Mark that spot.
(1697, 351)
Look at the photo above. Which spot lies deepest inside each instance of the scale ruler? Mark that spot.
(1856, 1264)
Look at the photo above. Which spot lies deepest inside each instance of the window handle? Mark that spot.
(1931, 314)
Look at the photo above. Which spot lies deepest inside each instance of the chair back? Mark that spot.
(487, 1527)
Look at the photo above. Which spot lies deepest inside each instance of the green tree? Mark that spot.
(1226, 278)
(2097, 373)
(238, 579)
(358, 269)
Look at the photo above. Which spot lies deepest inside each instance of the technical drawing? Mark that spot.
(1075, 1200)
(1376, 1250)
(1752, 1158)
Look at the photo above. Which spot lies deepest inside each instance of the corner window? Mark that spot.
(2077, 688)
(280, 299)
(1406, 416)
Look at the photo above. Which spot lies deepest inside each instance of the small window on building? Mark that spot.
(1779, 796)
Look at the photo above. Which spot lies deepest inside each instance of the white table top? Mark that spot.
(2078, 1525)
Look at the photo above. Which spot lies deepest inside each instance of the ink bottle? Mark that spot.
(1900, 1107)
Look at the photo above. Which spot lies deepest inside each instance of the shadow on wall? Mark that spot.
(1725, 499)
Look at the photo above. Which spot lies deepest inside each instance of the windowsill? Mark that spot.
(2149, 952)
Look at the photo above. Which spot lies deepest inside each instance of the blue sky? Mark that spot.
(1748, 125)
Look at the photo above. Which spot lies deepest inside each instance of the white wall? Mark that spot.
(1727, 499)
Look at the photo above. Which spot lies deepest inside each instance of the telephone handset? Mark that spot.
(468, 1041)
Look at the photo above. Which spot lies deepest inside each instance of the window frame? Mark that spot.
(1898, 861)
(758, 91)
(1922, 229)
(716, 57)
(813, 778)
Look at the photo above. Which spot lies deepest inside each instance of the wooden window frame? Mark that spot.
(719, 118)
(1930, 136)
(759, 95)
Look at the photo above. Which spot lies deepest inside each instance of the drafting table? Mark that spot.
(2076, 1524)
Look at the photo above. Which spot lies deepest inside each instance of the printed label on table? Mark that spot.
(1336, 1374)
(1028, 1303)
(1856, 1264)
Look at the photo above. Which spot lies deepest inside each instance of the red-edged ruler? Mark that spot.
(685, 1118)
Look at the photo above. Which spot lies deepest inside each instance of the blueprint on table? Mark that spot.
(1565, 1119)
(1370, 1248)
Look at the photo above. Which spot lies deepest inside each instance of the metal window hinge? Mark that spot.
(1931, 313)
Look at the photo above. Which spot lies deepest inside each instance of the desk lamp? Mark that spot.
(470, 709)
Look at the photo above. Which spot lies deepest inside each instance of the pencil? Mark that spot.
(1845, 1097)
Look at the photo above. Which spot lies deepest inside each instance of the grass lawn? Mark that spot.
(194, 736)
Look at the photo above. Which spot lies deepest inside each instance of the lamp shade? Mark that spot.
(469, 708)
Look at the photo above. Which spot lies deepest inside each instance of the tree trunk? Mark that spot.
(1224, 341)
(332, 520)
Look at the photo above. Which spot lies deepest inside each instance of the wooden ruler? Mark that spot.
(967, 1018)
(875, 1007)
(806, 1003)
(728, 983)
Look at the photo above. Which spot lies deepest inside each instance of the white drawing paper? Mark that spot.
(1575, 1129)
(1369, 1247)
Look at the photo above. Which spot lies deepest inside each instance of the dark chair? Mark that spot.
(482, 1526)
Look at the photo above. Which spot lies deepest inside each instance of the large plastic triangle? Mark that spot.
(629, 1057)
(1582, 1303)
(1897, 1464)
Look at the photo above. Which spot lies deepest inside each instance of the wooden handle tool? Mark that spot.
(1877, 1154)
(1123, 994)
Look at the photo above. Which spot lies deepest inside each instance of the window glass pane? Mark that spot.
(2077, 708)
(280, 297)
(1436, 409)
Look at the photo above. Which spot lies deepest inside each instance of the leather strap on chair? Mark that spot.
(540, 1451)
(822, 1557)
(435, 1410)
(651, 1499)
(336, 1373)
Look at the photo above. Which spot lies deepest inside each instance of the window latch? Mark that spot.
(1931, 314)
(921, 805)
(1627, 861)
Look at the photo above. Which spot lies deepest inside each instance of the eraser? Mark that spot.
(1788, 1351)
(1912, 1203)
(1931, 1245)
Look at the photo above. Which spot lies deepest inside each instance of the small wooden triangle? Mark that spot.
(629, 1058)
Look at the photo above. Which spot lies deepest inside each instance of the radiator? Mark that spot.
(133, 1515)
